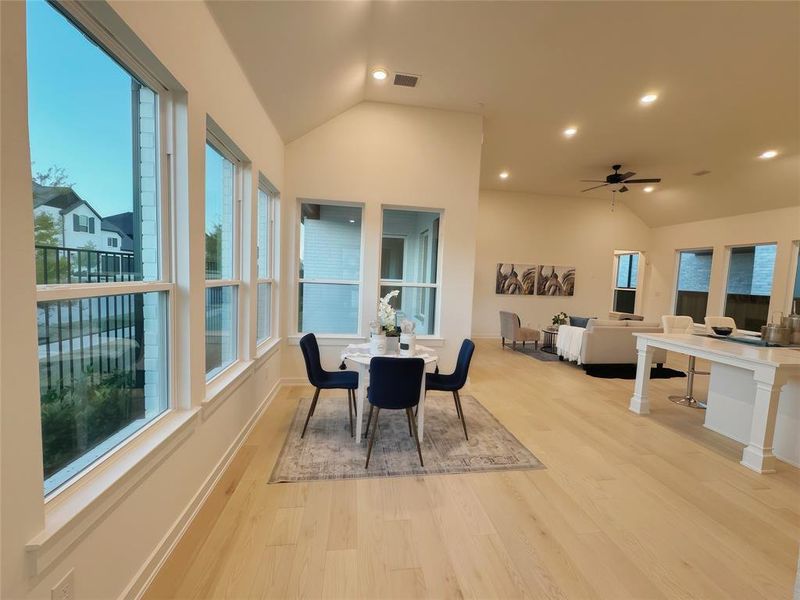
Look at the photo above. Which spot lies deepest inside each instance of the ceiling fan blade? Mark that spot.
(626, 175)
(594, 188)
(594, 180)
(623, 189)
(656, 180)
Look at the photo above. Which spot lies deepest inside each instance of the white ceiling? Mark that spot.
(727, 75)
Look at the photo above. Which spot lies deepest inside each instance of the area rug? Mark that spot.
(536, 353)
(629, 372)
(328, 452)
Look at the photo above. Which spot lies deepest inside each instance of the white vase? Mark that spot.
(392, 345)
(408, 344)
(377, 345)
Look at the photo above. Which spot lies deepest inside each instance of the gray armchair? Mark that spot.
(512, 330)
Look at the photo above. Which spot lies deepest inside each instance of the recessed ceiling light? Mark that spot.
(352, 220)
(380, 74)
(504, 175)
(649, 189)
(648, 98)
(768, 154)
(570, 131)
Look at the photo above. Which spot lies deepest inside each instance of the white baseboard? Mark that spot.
(144, 577)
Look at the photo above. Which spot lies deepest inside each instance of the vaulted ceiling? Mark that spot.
(727, 75)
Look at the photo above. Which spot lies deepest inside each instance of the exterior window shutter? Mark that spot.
(76, 223)
(91, 225)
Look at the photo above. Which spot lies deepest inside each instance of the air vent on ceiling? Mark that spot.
(406, 80)
(701, 173)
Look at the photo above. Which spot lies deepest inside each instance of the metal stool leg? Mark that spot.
(688, 398)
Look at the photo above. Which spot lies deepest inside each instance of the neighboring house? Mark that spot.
(79, 224)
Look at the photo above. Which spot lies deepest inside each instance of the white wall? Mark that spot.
(781, 226)
(108, 557)
(384, 154)
(526, 228)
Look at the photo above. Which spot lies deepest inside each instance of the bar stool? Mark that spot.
(682, 324)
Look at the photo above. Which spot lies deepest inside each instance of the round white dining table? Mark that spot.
(358, 356)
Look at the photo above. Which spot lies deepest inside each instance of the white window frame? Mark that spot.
(724, 299)
(273, 200)
(85, 22)
(301, 280)
(220, 142)
(437, 286)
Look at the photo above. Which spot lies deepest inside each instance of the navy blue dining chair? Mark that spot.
(326, 380)
(455, 380)
(394, 384)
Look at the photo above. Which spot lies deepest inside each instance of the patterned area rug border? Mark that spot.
(518, 457)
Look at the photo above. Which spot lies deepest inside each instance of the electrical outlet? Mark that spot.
(64, 589)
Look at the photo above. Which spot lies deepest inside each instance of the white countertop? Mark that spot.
(704, 345)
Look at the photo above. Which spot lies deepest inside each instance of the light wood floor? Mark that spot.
(628, 507)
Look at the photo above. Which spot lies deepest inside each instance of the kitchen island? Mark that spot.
(753, 393)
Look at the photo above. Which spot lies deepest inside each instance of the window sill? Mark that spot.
(73, 512)
(432, 341)
(331, 339)
(267, 348)
(224, 384)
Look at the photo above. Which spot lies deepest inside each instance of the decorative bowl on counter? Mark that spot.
(723, 331)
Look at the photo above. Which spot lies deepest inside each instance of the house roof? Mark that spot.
(63, 198)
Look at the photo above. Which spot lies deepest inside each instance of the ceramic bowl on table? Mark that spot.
(723, 331)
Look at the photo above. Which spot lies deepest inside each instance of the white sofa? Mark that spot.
(611, 342)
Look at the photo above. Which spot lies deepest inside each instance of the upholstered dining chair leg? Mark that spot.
(310, 411)
(416, 436)
(350, 410)
(455, 401)
(374, 431)
(461, 414)
(409, 423)
(369, 420)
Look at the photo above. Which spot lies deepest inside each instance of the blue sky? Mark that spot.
(79, 103)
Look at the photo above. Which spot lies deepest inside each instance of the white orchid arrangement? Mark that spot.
(386, 314)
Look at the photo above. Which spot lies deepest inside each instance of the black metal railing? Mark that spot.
(91, 352)
(78, 334)
(58, 264)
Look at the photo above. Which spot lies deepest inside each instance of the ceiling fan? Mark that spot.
(618, 180)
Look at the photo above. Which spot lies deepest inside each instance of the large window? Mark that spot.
(694, 276)
(222, 269)
(626, 278)
(329, 269)
(749, 286)
(102, 308)
(265, 218)
(410, 265)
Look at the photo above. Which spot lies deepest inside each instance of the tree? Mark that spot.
(54, 177)
(214, 249)
(46, 230)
